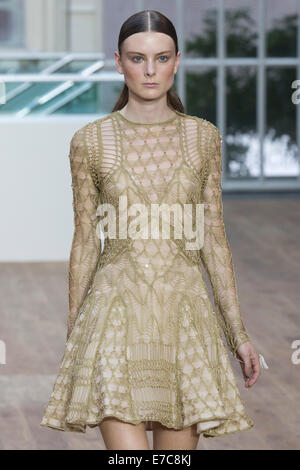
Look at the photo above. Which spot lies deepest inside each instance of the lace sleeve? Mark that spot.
(216, 255)
(85, 245)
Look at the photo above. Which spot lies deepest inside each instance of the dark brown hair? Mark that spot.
(148, 20)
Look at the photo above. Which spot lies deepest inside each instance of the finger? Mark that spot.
(245, 364)
(248, 368)
(256, 370)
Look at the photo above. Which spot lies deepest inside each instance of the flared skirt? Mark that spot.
(145, 348)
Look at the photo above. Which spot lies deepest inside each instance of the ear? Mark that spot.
(177, 60)
(118, 62)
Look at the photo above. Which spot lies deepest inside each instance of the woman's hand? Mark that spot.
(251, 365)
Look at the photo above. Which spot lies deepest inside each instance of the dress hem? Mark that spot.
(81, 428)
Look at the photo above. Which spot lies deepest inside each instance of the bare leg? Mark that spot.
(119, 435)
(166, 438)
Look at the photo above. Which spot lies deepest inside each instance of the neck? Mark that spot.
(138, 112)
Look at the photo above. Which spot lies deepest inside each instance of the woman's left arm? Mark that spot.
(217, 259)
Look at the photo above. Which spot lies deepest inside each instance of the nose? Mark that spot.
(149, 69)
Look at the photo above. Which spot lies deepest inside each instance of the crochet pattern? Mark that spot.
(144, 340)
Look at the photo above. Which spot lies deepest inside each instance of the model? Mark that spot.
(144, 349)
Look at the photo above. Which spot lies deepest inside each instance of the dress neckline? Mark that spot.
(176, 114)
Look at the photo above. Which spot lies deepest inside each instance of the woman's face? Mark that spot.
(148, 57)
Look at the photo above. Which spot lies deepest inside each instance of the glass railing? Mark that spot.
(44, 83)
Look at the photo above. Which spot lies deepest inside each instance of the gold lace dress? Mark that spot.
(144, 340)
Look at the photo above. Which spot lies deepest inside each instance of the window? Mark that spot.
(11, 23)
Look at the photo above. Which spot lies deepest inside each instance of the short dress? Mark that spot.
(144, 339)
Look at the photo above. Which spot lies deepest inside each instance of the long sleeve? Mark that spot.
(86, 244)
(216, 254)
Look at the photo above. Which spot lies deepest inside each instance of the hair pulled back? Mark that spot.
(148, 20)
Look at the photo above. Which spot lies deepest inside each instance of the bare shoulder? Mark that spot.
(89, 130)
(209, 136)
(204, 125)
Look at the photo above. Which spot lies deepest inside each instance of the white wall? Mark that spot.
(85, 26)
(35, 187)
(61, 25)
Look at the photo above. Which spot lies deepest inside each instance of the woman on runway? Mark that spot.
(144, 348)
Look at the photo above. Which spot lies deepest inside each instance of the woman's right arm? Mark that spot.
(86, 244)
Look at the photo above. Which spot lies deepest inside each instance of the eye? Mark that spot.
(139, 57)
(135, 57)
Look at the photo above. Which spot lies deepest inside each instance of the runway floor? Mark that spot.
(263, 234)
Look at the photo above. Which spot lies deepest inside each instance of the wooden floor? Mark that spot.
(264, 236)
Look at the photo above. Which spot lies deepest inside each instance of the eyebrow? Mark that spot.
(135, 52)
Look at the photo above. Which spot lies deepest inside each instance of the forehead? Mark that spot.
(148, 42)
